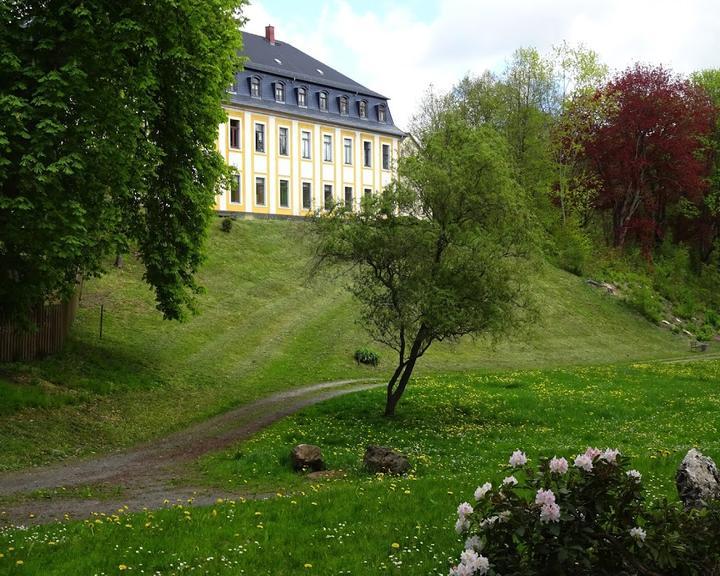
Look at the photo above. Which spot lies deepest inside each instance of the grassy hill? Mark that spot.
(264, 325)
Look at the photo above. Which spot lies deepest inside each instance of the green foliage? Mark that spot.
(226, 225)
(589, 518)
(366, 356)
(573, 248)
(108, 121)
(440, 254)
(644, 300)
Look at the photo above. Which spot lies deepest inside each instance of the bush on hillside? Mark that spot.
(367, 356)
(644, 300)
(585, 517)
(573, 248)
(227, 224)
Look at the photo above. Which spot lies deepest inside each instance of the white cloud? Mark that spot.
(398, 53)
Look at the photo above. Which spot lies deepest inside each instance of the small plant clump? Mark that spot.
(583, 517)
(227, 224)
(366, 356)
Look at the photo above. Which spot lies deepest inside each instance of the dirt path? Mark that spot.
(144, 473)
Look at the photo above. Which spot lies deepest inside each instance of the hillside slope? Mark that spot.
(264, 325)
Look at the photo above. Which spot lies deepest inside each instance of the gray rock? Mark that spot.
(386, 460)
(307, 456)
(697, 480)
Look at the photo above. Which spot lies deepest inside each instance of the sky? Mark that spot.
(401, 48)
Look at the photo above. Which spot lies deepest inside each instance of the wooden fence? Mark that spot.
(52, 323)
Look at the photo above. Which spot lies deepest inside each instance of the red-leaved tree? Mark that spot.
(645, 147)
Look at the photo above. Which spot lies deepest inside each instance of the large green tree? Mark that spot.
(442, 253)
(108, 121)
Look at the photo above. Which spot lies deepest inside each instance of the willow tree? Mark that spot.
(108, 120)
(440, 254)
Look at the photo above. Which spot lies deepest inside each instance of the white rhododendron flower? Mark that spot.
(638, 533)
(461, 525)
(592, 453)
(558, 465)
(584, 462)
(474, 543)
(518, 459)
(634, 474)
(510, 481)
(471, 563)
(550, 513)
(610, 455)
(544, 497)
(482, 490)
(464, 509)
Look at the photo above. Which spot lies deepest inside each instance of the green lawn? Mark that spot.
(458, 430)
(264, 325)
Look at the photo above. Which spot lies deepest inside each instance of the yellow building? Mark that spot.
(301, 135)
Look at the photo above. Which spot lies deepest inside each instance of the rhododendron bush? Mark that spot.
(580, 516)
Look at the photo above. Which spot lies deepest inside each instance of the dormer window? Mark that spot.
(279, 92)
(362, 108)
(255, 87)
(343, 103)
(233, 87)
(323, 101)
(381, 113)
(302, 97)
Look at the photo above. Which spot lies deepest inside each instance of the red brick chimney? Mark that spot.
(270, 34)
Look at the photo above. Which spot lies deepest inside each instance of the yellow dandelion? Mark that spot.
(122, 567)
(395, 545)
(19, 562)
(308, 565)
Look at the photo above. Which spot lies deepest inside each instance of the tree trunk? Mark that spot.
(403, 372)
(118, 260)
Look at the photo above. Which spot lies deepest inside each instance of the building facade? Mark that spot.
(300, 135)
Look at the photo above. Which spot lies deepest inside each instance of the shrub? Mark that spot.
(642, 299)
(587, 517)
(227, 224)
(366, 356)
(705, 333)
(573, 248)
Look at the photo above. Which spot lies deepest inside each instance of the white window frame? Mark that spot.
(345, 196)
(255, 81)
(332, 195)
(280, 89)
(347, 151)
(239, 134)
(264, 183)
(237, 179)
(280, 183)
(305, 141)
(327, 148)
(302, 191)
(367, 154)
(287, 141)
(264, 137)
(389, 156)
(304, 92)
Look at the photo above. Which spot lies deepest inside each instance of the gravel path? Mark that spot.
(145, 473)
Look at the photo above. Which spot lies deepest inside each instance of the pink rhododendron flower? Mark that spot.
(482, 490)
(584, 462)
(510, 481)
(474, 543)
(461, 525)
(544, 497)
(518, 459)
(471, 563)
(550, 513)
(592, 453)
(558, 465)
(464, 509)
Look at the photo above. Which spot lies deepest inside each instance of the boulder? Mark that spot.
(386, 460)
(307, 456)
(697, 480)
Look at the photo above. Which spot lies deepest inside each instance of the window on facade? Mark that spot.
(367, 153)
(328, 196)
(307, 195)
(306, 144)
(386, 156)
(348, 150)
(284, 194)
(279, 92)
(234, 133)
(283, 141)
(362, 108)
(235, 190)
(343, 105)
(255, 87)
(260, 191)
(302, 97)
(348, 197)
(327, 148)
(367, 192)
(259, 137)
(381, 113)
(323, 101)
(233, 87)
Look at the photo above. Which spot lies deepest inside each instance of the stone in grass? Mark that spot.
(386, 460)
(307, 457)
(697, 479)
